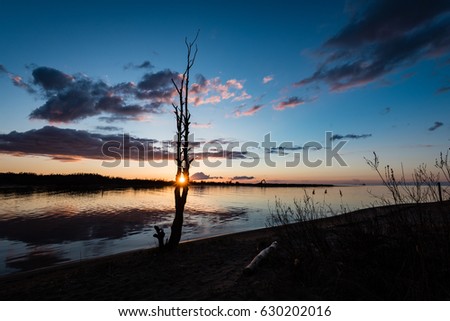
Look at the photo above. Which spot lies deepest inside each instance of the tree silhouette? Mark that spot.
(183, 159)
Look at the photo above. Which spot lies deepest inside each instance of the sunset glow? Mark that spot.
(89, 89)
(181, 180)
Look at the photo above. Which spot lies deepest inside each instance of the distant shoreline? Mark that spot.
(32, 182)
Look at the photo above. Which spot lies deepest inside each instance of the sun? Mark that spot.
(181, 179)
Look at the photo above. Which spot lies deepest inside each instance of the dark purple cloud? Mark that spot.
(72, 145)
(68, 144)
(66, 107)
(72, 98)
(388, 20)
(157, 81)
(436, 125)
(109, 128)
(283, 150)
(145, 65)
(200, 176)
(350, 136)
(384, 37)
(227, 154)
(291, 102)
(443, 90)
(157, 86)
(235, 178)
(51, 79)
(248, 112)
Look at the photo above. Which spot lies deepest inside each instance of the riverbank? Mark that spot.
(26, 183)
(394, 252)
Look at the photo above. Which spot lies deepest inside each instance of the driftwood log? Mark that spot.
(250, 269)
(160, 236)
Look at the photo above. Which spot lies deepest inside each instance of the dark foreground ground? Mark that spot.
(387, 253)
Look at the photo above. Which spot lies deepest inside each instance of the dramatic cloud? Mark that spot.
(436, 125)
(70, 144)
(73, 145)
(350, 136)
(158, 87)
(71, 98)
(248, 112)
(235, 178)
(292, 102)
(384, 37)
(51, 79)
(157, 81)
(267, 79)
(200, 176)
(66, 107)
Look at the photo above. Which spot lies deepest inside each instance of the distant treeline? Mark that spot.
(261, 184)
(29, 182)
(78, 182)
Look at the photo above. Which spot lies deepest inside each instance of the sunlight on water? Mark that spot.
(42, 229)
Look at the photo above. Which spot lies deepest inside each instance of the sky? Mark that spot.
(286, 91)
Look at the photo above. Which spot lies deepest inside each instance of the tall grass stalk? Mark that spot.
(422, 186)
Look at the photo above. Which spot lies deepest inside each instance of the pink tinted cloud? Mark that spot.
(198, 101)
(213, 91)
(243, 96)
(292, 102)
(267, 79)
(201, 125)
(249, 112)
(234, 83)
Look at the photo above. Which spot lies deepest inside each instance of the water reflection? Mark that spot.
(41, 229)
(65, 226)
(35, 258)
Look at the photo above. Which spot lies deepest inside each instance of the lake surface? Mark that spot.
(42, 229)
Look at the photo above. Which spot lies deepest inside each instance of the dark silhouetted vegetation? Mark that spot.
(31, 182)
(85, 182)
(399, 252)
(423, 186)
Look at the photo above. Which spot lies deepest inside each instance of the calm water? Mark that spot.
(42, 229)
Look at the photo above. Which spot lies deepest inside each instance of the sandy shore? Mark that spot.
(200, 270)
(209, 269)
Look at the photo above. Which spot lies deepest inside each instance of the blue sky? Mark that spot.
(76, 74)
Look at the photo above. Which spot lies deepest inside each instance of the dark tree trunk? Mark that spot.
(182, 158)
(177, 225)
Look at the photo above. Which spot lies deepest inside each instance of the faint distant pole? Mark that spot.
(183, 159)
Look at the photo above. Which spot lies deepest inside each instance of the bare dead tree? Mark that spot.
(183, 159)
